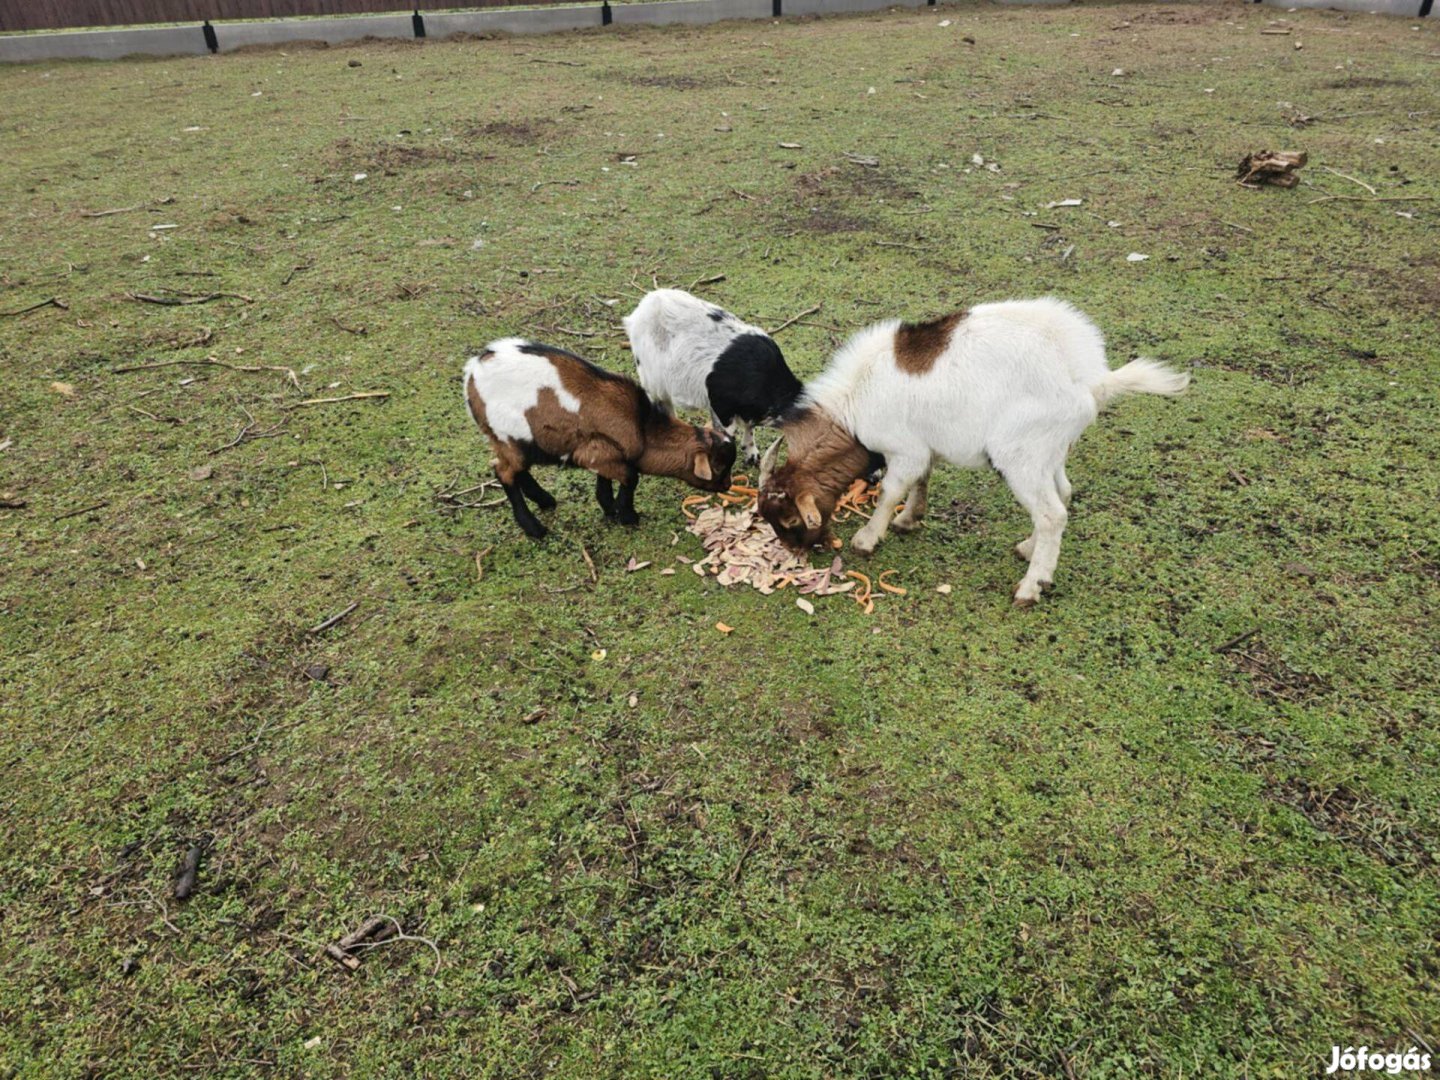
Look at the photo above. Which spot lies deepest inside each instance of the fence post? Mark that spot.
(606, 15)
(418, 23)
(775, 8)
(211, 41)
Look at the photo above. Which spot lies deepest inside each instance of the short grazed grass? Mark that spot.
(949, 839)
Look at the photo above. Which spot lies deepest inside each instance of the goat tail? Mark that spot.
(1140, 376)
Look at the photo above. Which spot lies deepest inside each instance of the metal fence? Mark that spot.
(56, 14)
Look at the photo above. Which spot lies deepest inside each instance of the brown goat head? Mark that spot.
(799, 498)
(702, 457)
(797, 510)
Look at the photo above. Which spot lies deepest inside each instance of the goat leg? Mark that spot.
(605, 496)
(523, 517)
(625, 505)
(534, 492)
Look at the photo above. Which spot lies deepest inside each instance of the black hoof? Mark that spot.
(630, 520)
(547, 503)
(537, 532)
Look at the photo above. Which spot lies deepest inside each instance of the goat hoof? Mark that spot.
(537, 533)
(862, 547)
(1028, 593)
(904, 525)
(547, 503)
(628, 520)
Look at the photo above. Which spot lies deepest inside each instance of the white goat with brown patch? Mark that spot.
(539, 405)
(1012, 384)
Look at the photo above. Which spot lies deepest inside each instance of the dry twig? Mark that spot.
(1378, 198)
(211, 361)
(1352, 179)
(185, 299)
(83, 510)
(794, 319)
(54, 301)
(345, 397)
(321, 627)
(360, 330)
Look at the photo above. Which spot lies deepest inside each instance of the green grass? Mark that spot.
(952, 838)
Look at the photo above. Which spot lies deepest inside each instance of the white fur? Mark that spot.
(676, 344)
(510, 382)
(1017, 384)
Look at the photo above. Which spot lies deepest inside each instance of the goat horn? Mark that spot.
(768, 462)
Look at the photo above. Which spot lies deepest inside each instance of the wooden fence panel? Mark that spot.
(54, 14)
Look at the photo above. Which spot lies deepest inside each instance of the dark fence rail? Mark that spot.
(55, 14)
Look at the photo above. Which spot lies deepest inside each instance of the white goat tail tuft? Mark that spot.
(1140, 377)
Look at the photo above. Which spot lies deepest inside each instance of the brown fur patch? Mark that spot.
(919, 345)
(615, 431)
(823, 460)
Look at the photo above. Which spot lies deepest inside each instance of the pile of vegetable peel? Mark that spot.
(743, 549)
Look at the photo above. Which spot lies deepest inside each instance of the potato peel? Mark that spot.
(741, 548)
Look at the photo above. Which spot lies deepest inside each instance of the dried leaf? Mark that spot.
(724, 629)
(805, 605)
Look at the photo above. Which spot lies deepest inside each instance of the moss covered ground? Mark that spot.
(1178, 820)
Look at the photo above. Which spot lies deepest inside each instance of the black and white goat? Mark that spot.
(690, 354)
(1011, 385)
(539, 405)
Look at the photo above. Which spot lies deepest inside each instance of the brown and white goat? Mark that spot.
(539, 405)
(1011, 384)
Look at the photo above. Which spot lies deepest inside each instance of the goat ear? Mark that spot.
(702, 466)
(808, 510)
(768, 462)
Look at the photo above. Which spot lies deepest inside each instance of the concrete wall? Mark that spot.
(836, 7)
(540, 20)
(188, 40)
(103, 44)
(237, 35)
(1408, 8)
(690, 11)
